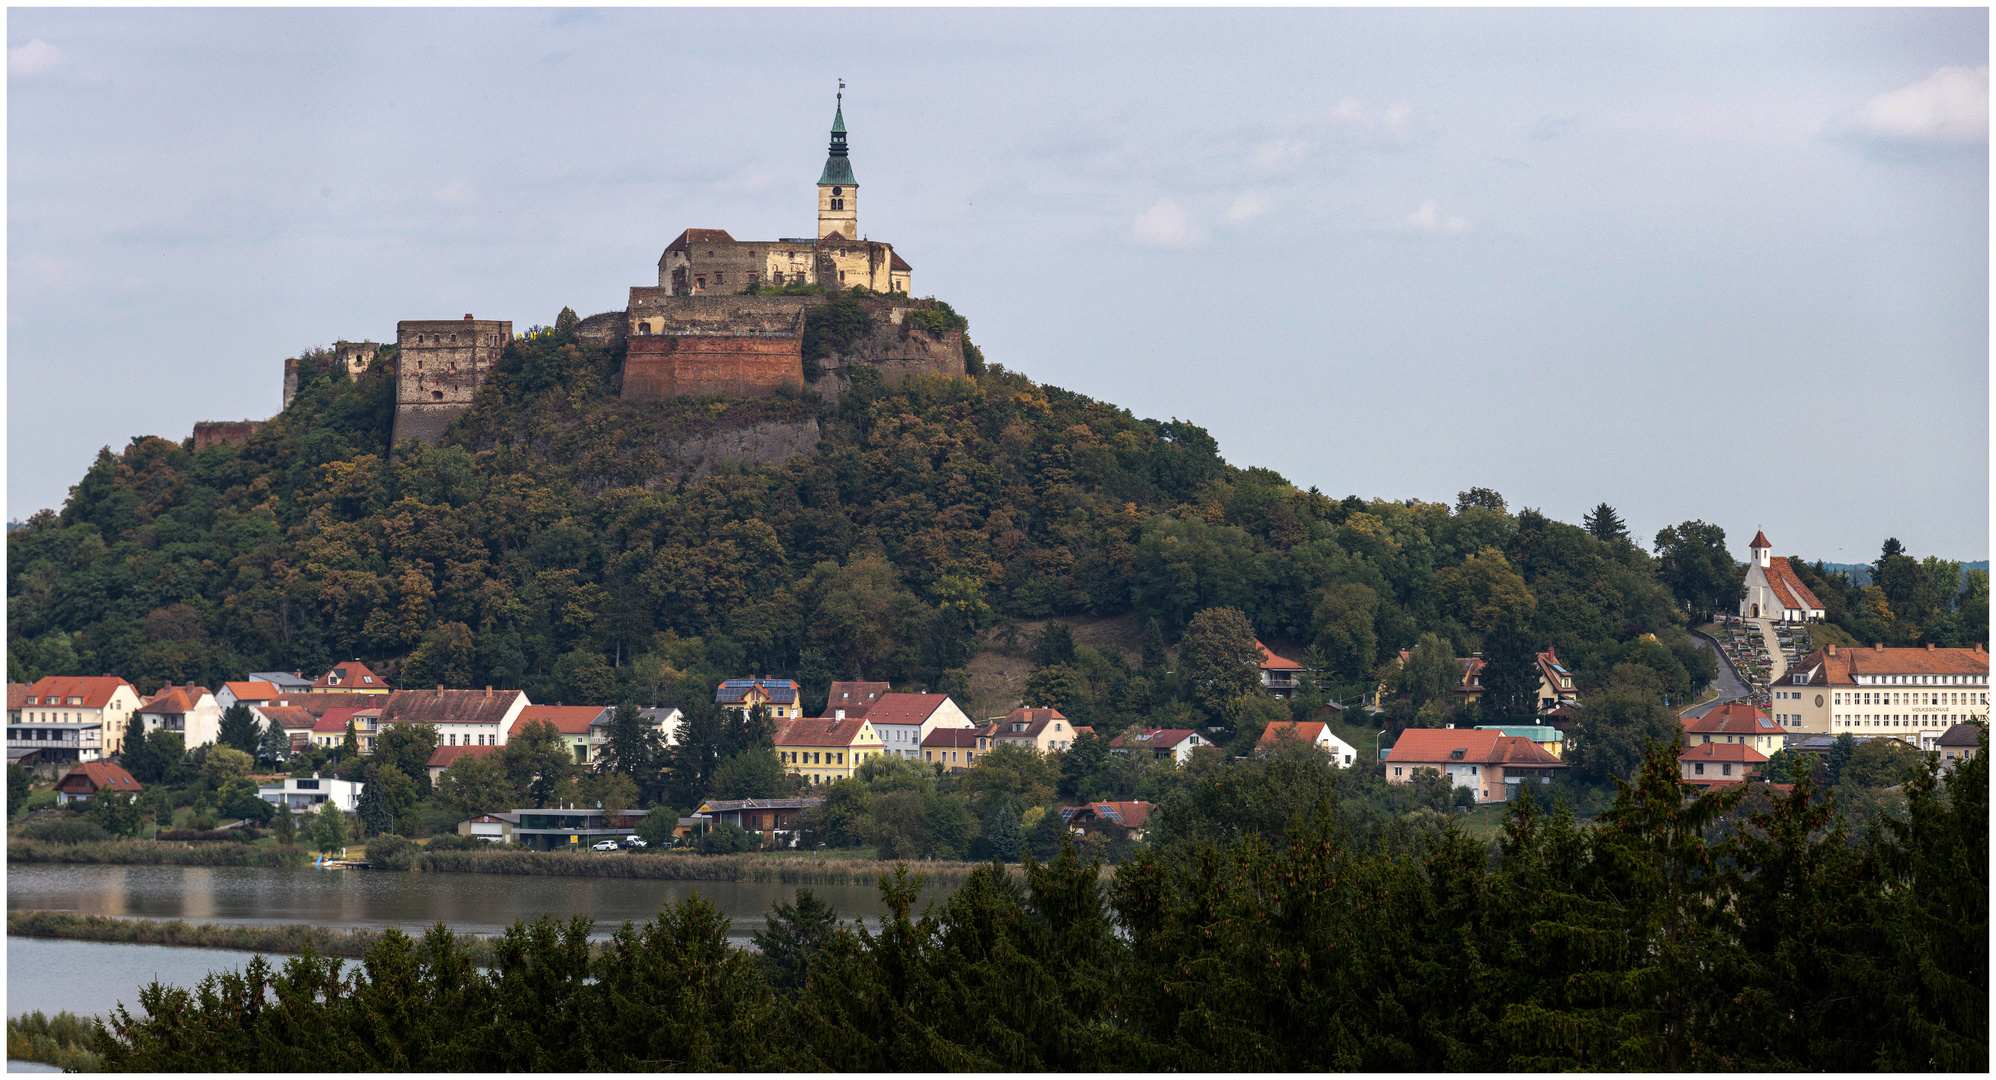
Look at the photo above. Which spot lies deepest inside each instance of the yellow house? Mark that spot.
(826, 749)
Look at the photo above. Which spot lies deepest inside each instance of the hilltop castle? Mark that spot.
(694, 333)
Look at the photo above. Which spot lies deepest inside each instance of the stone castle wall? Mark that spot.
(209, 433)
(710, 364)
(439, 368)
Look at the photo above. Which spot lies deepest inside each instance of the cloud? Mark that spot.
(454, 193)
(1279, 151)
(1165, 225)
(33, 58)
(1950, 106)
(1428, 218)
(1250, 205)
(1390, 123)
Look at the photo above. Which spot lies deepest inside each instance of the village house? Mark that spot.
(188, 711)
(250, 693)
(1550, 739)
(1311, 732)
(780, 696)
(1279, 677)
(71, 718)
(775, 818)
(296, 721)
(1555, 682)
(955, 749)
(461, 717)
(1045, 730)
(850, 700)
(1712, 764)
(903, 721)
(1129, 815)
(666, 722)
(1911, 694)
(1959, 743)
(1736, 722)
(350, 678)
(824, 750)
(287, 682)
(495, 827)
(311, 794)
(1165, 744)
(573, 721)
(574, 828)
(85, 781)
(1490, 764)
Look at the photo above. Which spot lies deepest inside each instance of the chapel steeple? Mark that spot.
(838, 192)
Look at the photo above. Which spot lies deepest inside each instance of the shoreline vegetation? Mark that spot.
(279, 939)
(153, 853)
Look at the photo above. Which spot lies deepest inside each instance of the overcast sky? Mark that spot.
(1729, 265)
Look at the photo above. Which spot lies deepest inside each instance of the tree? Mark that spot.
(1879, 763)
(751, 774)
(329, 829)
(350, 746)
(1615, 727)
(845, 818)
(1003, 838)
(287, 824)
(239, 799)
(1219, 657)
(1053, 645)
(1024, 776)
(537, 763)
(632, 745)
(239, 729)
(1510, 673)
(224, 764)
(1344, 623)
(387, 798)
(1155, 659)
(476, 784)
(1701, 573)
(117, 812)
(1605, 524)
(1842, 749)
(1479, 497)
(444, 657)
(791, 937)
(946, 819)
(408, 748)
(274, 745)
(18, 781)
(149, 757)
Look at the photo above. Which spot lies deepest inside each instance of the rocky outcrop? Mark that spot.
(766, 443)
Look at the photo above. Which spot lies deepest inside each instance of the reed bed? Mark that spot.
(153, 853)
(65, 1040)
(759, 869)
(282, 939)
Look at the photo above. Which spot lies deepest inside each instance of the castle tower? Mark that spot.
(838, 192)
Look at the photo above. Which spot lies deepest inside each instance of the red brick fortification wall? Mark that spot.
(722, 365)
(209, 433)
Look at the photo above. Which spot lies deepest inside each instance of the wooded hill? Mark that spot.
(554, 541)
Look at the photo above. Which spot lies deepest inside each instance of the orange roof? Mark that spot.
(290, 717)
(1788, 588)
(1272, 662)
(251, 691)
(567, 719)
(903, 708)
(855, 697)
(820, 732)
(95, 776)
(94, 690)
(1734, 718)
(1036, 721)
(1440, 746)
(169, 700)
(350, 676)
(1305, 731)
(1723, 751)
(1760, 540)
(1832, 666)
(17, 695)
(443, 756)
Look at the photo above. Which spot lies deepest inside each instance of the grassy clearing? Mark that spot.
(787, 870)
(147, 853)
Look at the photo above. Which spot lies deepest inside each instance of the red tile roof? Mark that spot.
(443, 756)
(1788, 588)
(1272, 662)
(1760, 540)
(1719, 751)
(350, 676)
(951, 738)
(94, 776)
(290, 717)
(448, 706)
(1130, 815)
(1159, 738)
(1439, 746)
(1305, 731)
(334, 721)
(904, 708)
(1832, 666)
(169, 701)
(95, 690)
(17, 695)
(1734, 718)
(820, 732)
(1036, 721)
(854, 697)
(567, 719)
(252, 691)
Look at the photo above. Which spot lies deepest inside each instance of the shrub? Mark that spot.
(73, 830)
(391, 852)
(728, 839)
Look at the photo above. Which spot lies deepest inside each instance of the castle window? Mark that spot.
(719, 279)
(779, 277)
(436, 395)
(838, 191)
(842, 276)
(702, 283)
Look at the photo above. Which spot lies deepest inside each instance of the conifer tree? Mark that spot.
(1605, 524)
(239, 729)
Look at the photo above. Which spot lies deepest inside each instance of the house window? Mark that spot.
(1699, 768)
(1726, 770)
(1396, 770)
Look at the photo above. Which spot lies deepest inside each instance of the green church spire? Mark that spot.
(838, 170)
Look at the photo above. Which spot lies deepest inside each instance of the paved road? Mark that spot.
(1728, 682)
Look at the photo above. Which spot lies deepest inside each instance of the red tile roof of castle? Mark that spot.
(92, 777)
(898, 263)
(700, 236)
(1272, 662)
(94, 690)
(567, 719)
(854, 697)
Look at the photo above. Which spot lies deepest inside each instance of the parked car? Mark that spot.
(606, 845)
(634, 842)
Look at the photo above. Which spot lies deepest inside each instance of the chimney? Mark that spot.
(1878, 646)
(1930, 646)
(1833, 648)
(488, 688)
(467, 316)
(440, 688)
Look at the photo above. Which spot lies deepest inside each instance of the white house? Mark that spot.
(1772, 589)
(1314, 732)
(67, 719)
(190, 711)
(664, 721)
(1165, 744)
(312, 793)
(251, 693)
(903, 720)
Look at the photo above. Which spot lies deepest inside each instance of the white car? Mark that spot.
(634, 842)
(605, 845)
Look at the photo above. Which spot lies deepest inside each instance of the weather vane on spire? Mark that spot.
(842, 91)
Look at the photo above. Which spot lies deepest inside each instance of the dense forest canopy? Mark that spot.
(553, 542)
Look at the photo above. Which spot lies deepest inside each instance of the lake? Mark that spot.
(88, 977)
